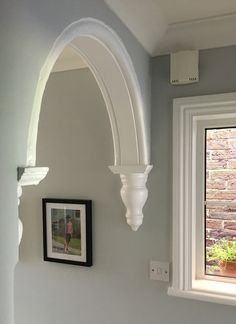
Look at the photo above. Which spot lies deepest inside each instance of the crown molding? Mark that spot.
(206, 33)
(159, 36)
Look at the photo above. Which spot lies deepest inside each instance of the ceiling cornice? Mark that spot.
(212, 32)
(149, 26)
(203, 20)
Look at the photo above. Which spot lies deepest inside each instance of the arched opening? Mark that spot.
(75, 142)
(112, 67)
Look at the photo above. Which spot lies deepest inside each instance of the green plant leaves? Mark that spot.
(222, 250)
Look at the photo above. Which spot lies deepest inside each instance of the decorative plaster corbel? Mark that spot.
(134, 192)
(26, 177)
(31, 175)
(20, 225)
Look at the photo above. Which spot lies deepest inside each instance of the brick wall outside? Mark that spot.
(221, 184)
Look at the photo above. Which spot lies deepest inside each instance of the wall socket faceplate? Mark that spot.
(159, 271)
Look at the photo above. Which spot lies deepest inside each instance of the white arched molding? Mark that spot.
(28, 177)
(112, 67)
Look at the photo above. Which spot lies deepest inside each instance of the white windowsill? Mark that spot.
(208, 290)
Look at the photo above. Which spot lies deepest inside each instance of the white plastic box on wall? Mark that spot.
(184, 67)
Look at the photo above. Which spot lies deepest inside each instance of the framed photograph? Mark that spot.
(67, 231)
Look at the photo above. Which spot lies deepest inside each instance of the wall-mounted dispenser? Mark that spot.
(184, 67)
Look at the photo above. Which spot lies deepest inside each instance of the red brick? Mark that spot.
(212, 207)
(232, 143)
(230, 209)
(217, 164)
(223, 174)
(215, 234)
(231, 184)
(232, 164)
(218, 134)
(210, 242)
(232, 133)
(215, 184)
(214, 224)
(230, 225)
(221, 195)
(223, 154)
(226, 233)
(221, 215)
(219, 144)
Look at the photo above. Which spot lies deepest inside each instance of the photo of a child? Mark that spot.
(66, 231)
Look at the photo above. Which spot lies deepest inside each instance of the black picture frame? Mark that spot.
(67, 231)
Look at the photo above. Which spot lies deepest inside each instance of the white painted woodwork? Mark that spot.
(134, 192)
(69, 60)
(103, 51)
(134, 195)
(28, 177)
(20, 225)
(106, 56)
(189, 279)
(31, 175)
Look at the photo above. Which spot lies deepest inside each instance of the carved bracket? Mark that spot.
(134, 192)
(27, 177)
(31, 175)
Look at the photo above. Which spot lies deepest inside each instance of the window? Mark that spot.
(220, 201)
(198, 196)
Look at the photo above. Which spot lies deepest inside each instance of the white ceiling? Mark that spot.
(163, 26)
(182, 10)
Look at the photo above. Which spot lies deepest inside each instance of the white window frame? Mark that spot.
(189, 116)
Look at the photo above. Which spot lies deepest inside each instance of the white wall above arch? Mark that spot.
(112, 67)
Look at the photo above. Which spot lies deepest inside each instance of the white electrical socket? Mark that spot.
(159, 271)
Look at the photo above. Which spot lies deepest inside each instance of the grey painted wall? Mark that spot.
(116, 289)
(217, 75)
(28, 31)
(75, 142)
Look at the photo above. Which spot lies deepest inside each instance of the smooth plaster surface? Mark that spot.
(116, 289)
(28, 29)
(75, 142)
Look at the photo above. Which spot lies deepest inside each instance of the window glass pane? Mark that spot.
(220, 201)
